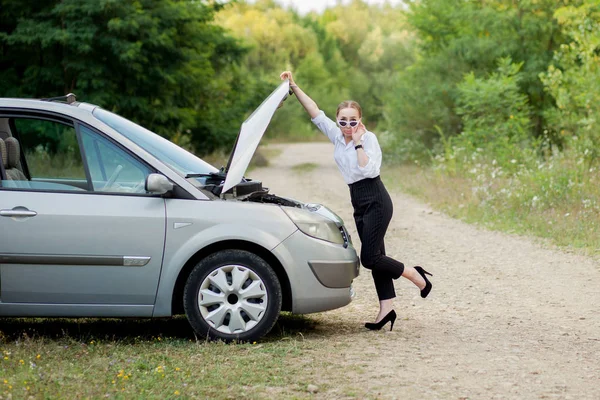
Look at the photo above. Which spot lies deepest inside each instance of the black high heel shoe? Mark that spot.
(375, 326)
(428, 285)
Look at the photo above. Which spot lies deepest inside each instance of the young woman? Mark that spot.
(358, 156)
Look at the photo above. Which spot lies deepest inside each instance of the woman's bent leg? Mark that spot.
(384, 285)
(374, 227)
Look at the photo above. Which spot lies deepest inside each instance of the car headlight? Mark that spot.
(315, 225)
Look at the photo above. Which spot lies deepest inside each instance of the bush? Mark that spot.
(493, 110)
(574, 81)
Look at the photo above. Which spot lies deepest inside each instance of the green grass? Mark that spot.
(304, 167)
(556, 204)
(159, 359)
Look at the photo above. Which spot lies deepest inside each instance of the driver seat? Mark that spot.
(3, 155)
(13, 154)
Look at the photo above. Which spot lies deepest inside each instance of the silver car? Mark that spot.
(100, 217)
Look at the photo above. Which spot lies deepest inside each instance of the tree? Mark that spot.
(496, 115)
(349, 52)
(460, 37)
(162, 63)
(573, 80)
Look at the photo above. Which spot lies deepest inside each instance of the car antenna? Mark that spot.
(69, 98)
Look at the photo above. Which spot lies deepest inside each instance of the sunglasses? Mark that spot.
(344, 123)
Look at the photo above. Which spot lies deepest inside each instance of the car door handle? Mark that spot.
(18, 212)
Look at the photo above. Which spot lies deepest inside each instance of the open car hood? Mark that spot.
(251, 132)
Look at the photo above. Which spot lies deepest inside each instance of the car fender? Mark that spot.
(177, 256)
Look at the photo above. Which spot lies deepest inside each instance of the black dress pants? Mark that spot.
(373, 210)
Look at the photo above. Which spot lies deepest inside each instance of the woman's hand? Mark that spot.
(309, 105)
(359, 132)
(287, 75)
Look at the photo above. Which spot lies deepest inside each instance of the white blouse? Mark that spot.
(345, 155)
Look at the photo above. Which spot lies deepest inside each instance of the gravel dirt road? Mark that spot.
(507, 317)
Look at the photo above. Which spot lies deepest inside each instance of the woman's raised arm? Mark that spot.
(309, 104)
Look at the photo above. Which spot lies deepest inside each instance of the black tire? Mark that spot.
(264, 278)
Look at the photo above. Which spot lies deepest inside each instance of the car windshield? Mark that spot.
(178, 159)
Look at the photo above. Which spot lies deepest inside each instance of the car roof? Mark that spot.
(76, 110)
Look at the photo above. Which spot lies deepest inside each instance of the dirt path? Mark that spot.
(507, 318)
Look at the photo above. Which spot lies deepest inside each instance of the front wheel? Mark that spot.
(232, 295)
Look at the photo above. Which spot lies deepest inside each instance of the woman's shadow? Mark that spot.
(132, 330)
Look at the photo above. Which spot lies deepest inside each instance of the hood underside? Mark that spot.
(251, 133)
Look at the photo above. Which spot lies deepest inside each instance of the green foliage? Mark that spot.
(161, 63)
(429, 78)
(333, 57)
(457, 38)
(494, 112)
(167, 66)
(573, 80)
(419, 105)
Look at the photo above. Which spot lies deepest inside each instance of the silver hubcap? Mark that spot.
(232, 299)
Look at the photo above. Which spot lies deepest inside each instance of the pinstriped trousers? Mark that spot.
(373, 210)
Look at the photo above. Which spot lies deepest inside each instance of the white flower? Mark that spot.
(586, 203)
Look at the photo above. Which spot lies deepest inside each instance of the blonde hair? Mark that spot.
(349, 104)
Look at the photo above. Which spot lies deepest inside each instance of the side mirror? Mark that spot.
(158, 184)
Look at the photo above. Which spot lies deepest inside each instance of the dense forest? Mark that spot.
(494, 73)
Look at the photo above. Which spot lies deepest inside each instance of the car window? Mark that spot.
(43, 155)
(111, 168)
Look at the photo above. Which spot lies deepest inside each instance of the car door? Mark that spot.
(77, 227)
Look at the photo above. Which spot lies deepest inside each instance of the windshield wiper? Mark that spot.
(212, 178)
(214, 175)
(211, 174)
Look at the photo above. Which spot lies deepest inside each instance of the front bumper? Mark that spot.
(320, 272)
